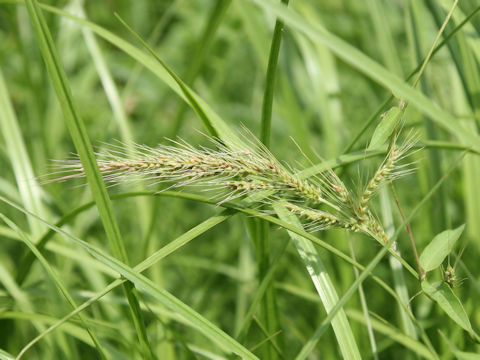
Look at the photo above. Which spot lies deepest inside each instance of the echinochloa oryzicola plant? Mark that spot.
(231, 171)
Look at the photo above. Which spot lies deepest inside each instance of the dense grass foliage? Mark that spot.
(292, 179)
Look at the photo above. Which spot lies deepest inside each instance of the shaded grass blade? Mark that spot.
(135, 277)
(51, 273)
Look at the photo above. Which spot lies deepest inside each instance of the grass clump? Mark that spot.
(214, 251)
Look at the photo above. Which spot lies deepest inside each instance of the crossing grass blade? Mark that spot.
(324, 287)
(82, 143)
(373, 70)
(147, 286)
(56, 280)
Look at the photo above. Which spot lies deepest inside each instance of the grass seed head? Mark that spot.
(234, 171)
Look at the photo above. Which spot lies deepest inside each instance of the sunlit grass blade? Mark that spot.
(29, 189)
(373, 70)
(82, 143)
(324, 286)
(369, 268)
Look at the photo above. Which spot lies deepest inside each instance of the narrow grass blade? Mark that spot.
(269, 312)
(183, 87)
(51, 273)
(84, 148)
(324, 286)
(115, 101)
(5, 355)
(144, 284)
(28, 187)
(372, 69)
(202, 48)
(266, 120)
(398, 276)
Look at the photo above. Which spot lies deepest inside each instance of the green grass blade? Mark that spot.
(115, 101)
(28, 187)
(267, 104)
(84, 148)
(373, 70)
(51, 273)
(5, 355)
(269, 305)
(202, 48)
(325, 289)
(398, 276)
(142, 283)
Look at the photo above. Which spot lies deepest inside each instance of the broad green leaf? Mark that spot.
(439, 248)
(443, 295)
(383, 130)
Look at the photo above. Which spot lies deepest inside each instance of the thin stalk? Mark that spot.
(432, 49)
(269, 304)
(421, 274)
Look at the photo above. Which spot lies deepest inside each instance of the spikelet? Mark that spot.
(232, 171)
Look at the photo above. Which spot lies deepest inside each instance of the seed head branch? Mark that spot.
(233, 171)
